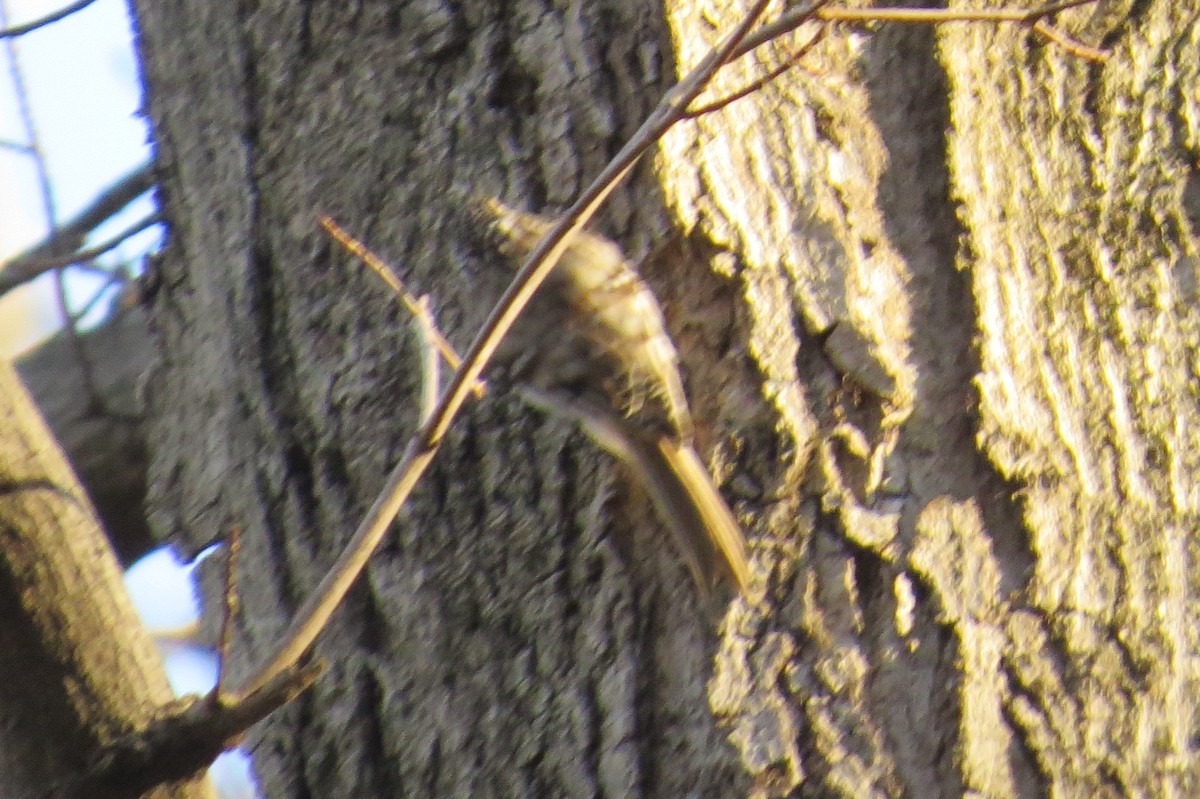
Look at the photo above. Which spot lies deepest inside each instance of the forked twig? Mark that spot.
(70, 236)
(419, 308)
(1069, 43)
(1034, 18)
(792, 60)
(25, 269)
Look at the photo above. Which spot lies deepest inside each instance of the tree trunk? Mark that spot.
(77, 671)
(935, 297)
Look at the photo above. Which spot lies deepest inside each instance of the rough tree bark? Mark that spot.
(936, 299)
(77, 670)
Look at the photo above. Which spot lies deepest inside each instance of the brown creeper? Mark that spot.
(592, 346)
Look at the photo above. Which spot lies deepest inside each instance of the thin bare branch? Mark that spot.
(32, 268)
(28, 128)
(1069, 43)
(431, 374)
(113, 279)
(37, 156)
(787, 22)
(68, 238)
(792, 61)
(49, 19)
(16, 147)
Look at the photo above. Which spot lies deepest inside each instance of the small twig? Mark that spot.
(49, 19)
(91, 268)
(792, 60)
(431, 381)
(785, 23)
(791, 19)
(28, 128)
(313, 615)
(418, 308)
(1069, 43)
(31, 268)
